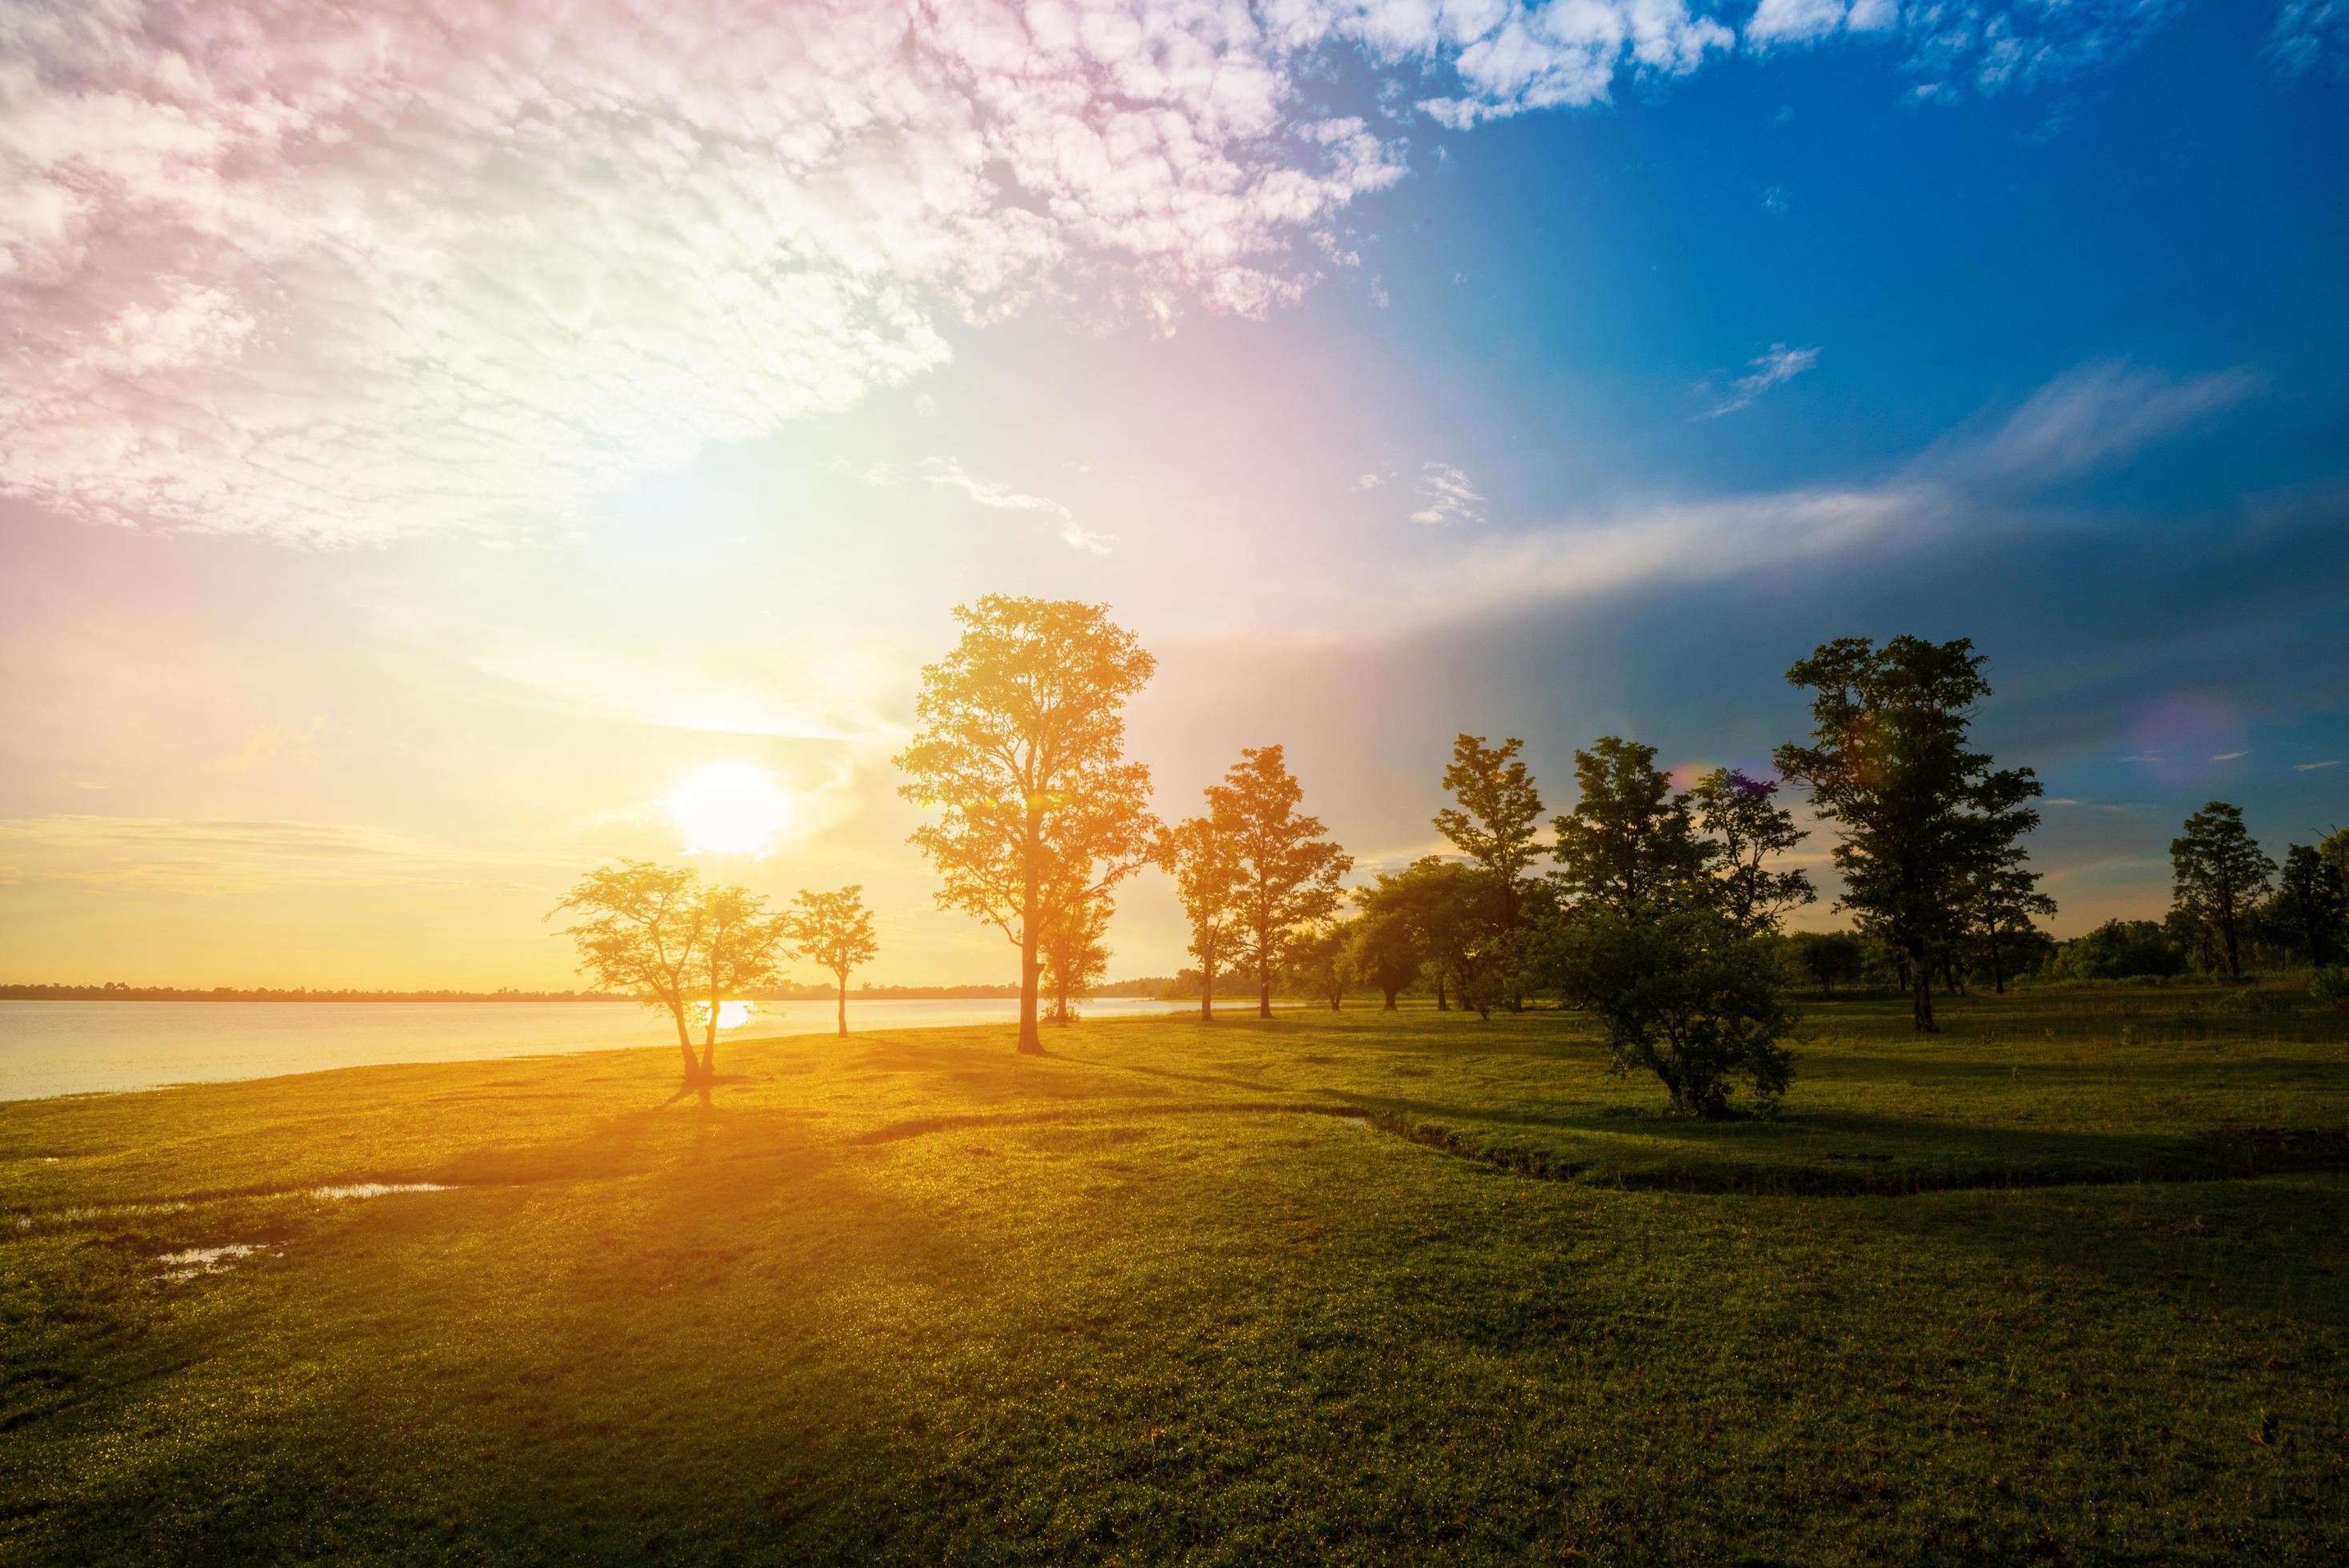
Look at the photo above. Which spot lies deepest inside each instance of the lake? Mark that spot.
(81, 1047)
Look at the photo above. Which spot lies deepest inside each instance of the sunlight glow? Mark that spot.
(728, 808)
(730, 1014)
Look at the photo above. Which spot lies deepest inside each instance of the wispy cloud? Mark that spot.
(1775, 366)
(945, 473)
(2313, 767)
(2091, 419)
(2227, 756)
(1448, 496)
(2305, 32)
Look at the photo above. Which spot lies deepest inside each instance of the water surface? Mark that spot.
(78, 1048)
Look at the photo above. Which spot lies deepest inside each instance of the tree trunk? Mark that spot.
(1207, 992)
(1334, 996)
(842, 976)
(1263, 992)
(1443, 1004)
(1920, 990)
(1997, 973)
(1031, 915)
(684, 1041)
(2226, 932)
(1391, 993)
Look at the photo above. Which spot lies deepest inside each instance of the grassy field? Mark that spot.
(2069, 1283)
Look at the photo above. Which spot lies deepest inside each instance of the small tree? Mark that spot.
(1829, 956)
(640, 936)
(1076, 953)
(1386, 952)
(2218, 873)
(1745, 831)
(1289, 875)
(742, 946)
(2310, 903)
(1918, 810)
(1320, 961)
(833, 930)
(1207, 878)
(1451, 913)
(1022, 750)
(1629, 843)
(1688, 996)
(2003, 903)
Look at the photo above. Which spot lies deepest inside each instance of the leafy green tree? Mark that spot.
(1918, 810)
(2310, 903)
(1745, 830)
(2121, 949)
(1321, 962)
(2218, 873)
(1686, 995)
(1386, 952)
(1453, 912)
(833, 930)
(1206, 872)
(1290, 875)
(1629, 843)
(2003, 901)
(1495, 823)
(1021, 749)
(1829, 956)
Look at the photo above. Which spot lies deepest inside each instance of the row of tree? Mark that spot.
(1653, 911)
(2227, 895)
(661, 934)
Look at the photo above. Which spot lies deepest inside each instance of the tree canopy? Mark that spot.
(2218, 873)
(1289, 873)
(833, 930)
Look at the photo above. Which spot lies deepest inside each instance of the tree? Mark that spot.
(2002, 900)
(1076, 952)
(1020, 748)
(1207, 878)
(1687, 995)
(1289, 875)
(833, 930)
(1386, 952)
(1629, 844)
(1321, 962)
(1828, 956)
(656, 934)
(742, 945)
(1495, 822)
(2310, 903)
(2121, 949)
(1452, 913)
(1746, 828)
(1919, 811)
(2217, 873)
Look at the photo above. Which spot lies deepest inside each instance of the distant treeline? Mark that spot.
(115, 991)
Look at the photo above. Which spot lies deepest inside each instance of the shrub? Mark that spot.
(1689, 997)
(2330, 985)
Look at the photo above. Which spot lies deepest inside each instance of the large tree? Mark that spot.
(2217, 874)
(1206, 875)
(1020, 751)
(1289, 872)
(833, 930)
(1386, 952)
(1629, 844)
(656, 932)
(1745, 833)
(1918, 810)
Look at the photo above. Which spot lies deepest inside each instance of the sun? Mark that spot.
(728, 808)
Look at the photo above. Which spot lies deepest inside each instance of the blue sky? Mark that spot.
(414, 466)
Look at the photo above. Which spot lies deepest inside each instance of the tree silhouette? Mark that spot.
(1020, 750)
(1744, 829)
(1289, 875)
(833, 930)
(1321, 960)
(1386, 950)
(1206, 875)
(1075, 952)
(2310, 901)
(1920, 812)
(2217, 874)
(1495, 823)
(1629, 844)
(2002, 900)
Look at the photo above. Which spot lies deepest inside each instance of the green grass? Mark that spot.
(2065, 1283)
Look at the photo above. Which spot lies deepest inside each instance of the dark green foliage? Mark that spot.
(1920, 813)
(1746, 832)
(1687, 995)
(2120, 950)
(1453, 915)
(2310, 904)
(2218, 874)
(1828, 958)
(1631, 844)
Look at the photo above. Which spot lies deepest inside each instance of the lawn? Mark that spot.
(2069, 1282)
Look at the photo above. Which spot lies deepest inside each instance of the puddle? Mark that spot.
(378, 1189)
(188, 1262)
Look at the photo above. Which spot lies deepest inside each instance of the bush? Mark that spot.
(1686, 996)
(2330, 985)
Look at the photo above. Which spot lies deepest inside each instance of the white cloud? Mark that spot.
(2091, 417)
(1955, 48)
(946, 474)
(1448, 496)
(2313, 767)
(1773, 367)
(2305, 32)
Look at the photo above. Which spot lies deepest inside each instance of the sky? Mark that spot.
(433, 435)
